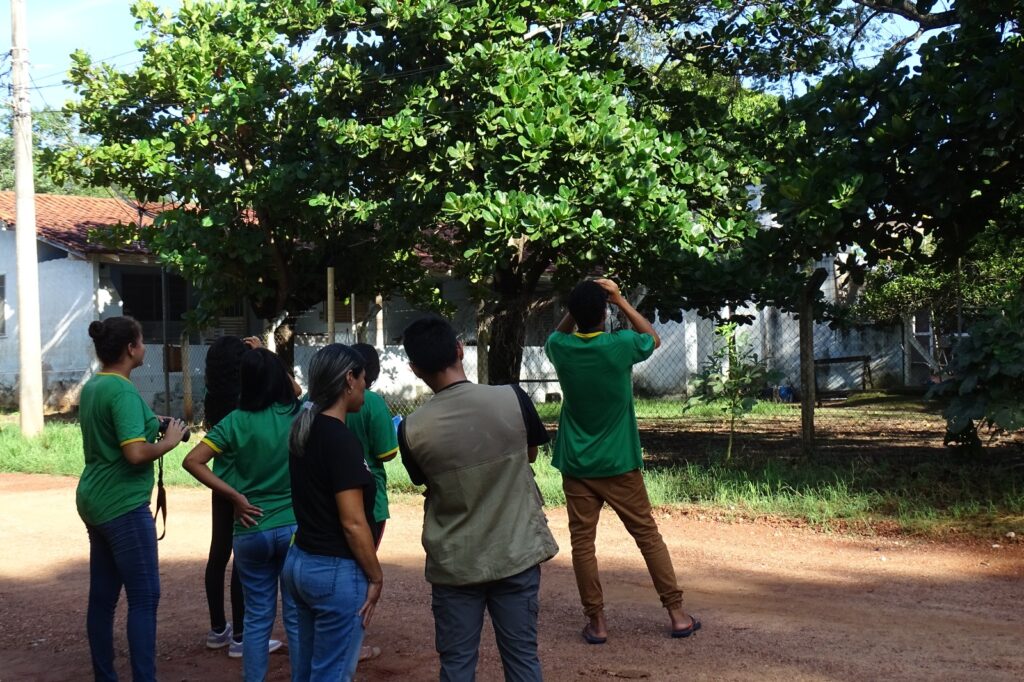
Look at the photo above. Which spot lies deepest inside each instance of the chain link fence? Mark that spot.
(870, 382)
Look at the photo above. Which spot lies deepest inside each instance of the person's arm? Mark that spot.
(536, 434)
(566, 325)
(408, 460)
(639, 323)
(360, 541)
(196, 464)
(140, 452)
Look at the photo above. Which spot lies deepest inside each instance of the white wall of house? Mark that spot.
(66, 307)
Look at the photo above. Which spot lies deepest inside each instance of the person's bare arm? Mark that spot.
(140, 452)
(360, 541)
(195, 463)
(639, 323)
(566, 325)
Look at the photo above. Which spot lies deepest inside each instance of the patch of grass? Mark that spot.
(927, 495)
(58, 451)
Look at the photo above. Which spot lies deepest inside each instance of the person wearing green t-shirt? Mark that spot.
(374, 428)
(255, 436)
(598, 446)
(118, 434)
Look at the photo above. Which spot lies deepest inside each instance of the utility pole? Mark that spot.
(30, 394)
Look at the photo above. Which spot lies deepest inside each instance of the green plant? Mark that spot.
(988, 375)
(731, 379)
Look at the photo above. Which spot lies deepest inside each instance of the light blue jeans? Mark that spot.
(260, 557)
(328, 593)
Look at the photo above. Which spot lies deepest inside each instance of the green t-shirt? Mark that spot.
(597, 432)
(112, 414)
(373, 427)
(257, 442)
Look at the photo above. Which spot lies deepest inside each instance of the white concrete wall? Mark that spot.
(66, 307)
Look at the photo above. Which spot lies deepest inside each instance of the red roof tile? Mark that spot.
(65, 221)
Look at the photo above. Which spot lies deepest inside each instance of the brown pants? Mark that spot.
(627, 495)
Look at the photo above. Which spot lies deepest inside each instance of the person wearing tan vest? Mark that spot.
(484, 529)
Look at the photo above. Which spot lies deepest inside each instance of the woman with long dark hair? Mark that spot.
(332, 570)
(223, 364)
(119, 438)
(255, 436)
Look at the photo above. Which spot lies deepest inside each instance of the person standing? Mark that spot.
(256, 437)
(332, 573)
(597, 449)
(374, 428)
(113, 494)
(484, 529)
(223, 362)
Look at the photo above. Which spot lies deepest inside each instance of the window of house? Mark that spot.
(142, 299)
(3, 305)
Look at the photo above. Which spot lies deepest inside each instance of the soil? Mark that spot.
(778, 602)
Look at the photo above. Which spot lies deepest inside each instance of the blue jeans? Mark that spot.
(260, 558)
(459, 617)
(122, 552)
(328, 593)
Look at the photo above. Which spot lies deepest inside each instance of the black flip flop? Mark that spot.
(590, 637)
(688, 630)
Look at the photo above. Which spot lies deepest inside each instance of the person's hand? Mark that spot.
(253, 342)
(175, 431)
(614, 295)
(372, 595)
(245, 512)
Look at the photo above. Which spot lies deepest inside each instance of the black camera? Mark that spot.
(165, 422)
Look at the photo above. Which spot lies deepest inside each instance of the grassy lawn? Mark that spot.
(931, 495)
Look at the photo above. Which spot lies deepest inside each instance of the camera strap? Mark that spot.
(161, 498)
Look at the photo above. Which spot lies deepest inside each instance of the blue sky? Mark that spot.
(56, 28)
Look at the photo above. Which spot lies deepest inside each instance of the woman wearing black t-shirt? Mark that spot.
(332, 569)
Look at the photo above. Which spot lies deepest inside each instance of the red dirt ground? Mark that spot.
(778, 603)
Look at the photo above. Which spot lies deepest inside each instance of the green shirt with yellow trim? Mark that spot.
(257, 443)
(112, 414)
(597, 431)
(373, 427)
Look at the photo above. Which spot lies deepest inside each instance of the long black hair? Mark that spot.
(263, 381)
(328, 380)
(223, 383)
(112, 336)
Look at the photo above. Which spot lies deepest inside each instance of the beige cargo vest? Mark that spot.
(482, 517)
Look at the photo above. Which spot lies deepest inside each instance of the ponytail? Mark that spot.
(328, 380)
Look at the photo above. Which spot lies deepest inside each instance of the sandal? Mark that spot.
(590, 637)
(368, 652)
(688, 630)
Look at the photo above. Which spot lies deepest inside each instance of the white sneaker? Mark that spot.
(235, 650)
(218, 640)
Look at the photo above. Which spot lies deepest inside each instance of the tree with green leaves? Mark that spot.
(52, 132)
(511, 146)
(218, 127)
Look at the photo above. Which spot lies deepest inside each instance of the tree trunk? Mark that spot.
(807, 388)
(284, 339)
(507, 337)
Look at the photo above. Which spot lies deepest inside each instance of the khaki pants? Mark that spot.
(627, 495)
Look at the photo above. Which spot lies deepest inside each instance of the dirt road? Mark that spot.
(778, 603)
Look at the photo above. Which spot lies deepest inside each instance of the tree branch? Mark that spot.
(908, 10)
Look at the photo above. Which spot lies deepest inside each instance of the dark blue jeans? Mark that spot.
(122, 553)
(459, 617)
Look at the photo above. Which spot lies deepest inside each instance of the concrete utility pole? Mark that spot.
(30, 395)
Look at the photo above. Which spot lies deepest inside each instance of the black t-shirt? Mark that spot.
(333, 462)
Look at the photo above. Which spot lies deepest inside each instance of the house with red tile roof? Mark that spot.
(82, 278)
